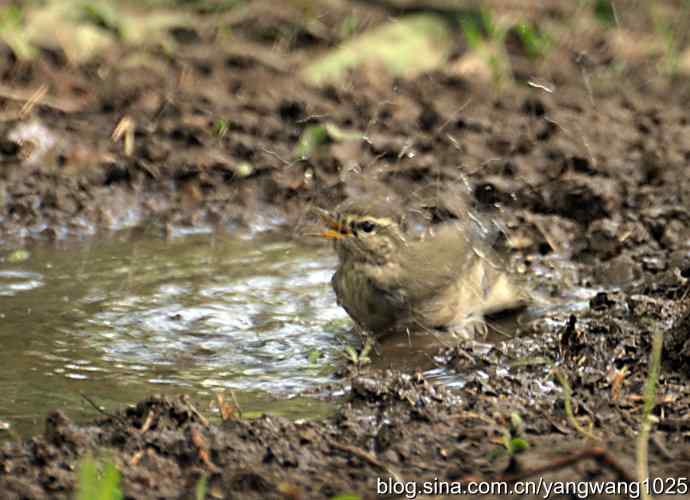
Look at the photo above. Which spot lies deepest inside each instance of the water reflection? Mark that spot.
(12, 282)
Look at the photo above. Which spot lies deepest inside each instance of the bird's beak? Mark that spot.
(336, 230)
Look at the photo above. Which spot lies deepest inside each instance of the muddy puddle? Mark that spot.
(128, 315)
(124, 317)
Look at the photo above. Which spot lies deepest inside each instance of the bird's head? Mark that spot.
(367, 232)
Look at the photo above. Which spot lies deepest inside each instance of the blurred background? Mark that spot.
(236, 112)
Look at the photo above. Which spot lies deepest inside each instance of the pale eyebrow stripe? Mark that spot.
(349, 219)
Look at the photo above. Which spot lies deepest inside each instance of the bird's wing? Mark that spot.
(453, 269)
(436, 262)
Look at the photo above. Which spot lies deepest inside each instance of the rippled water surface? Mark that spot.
(121, 318)
(124, 317)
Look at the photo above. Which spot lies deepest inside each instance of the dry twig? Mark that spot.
(602, 457)
(367, 457)
(100, 410)
(35, 98)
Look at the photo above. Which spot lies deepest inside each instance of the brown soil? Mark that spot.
(590, 176)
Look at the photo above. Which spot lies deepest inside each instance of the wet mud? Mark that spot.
(583, 157)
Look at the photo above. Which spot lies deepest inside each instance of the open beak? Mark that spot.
(336, 230)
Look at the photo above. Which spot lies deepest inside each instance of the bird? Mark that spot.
(392, 277)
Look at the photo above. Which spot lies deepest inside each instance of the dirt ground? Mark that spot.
(583, 153)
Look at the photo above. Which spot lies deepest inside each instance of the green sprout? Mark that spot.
(221, 127)
(98, 485)
(201, 487)
(487, 37)
(13, 32)
(479, 27)
(513, 441)
(312, 137)
(535, 43)
(605, 12)
(359, 359)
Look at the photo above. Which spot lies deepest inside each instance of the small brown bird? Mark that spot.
(391, 278)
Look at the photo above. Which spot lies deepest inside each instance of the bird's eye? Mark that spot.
(367, 226)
